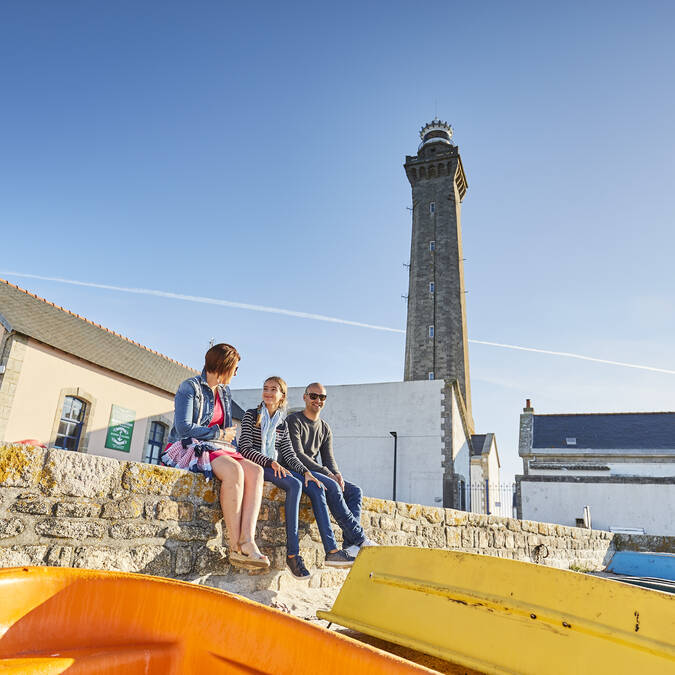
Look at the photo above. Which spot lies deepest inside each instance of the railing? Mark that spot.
(496, 499)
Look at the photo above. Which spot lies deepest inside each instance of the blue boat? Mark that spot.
(652, 565)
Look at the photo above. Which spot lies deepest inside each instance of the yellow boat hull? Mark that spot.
(56, 620)
(503, 616)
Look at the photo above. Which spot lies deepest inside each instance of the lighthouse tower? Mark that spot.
(436, 338)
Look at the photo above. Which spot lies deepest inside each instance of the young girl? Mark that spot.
(203, 413)
(264, 434)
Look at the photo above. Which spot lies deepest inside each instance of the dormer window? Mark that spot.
(432, 246)
(432, 207)
(432, 287)
(431, 331)
(570, 441)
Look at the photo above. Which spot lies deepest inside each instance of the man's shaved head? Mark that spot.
(314, 385)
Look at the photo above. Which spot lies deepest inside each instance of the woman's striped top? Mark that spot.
(250, 443)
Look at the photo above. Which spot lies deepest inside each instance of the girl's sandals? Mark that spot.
(253, 560)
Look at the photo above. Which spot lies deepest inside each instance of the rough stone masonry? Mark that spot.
(77, 510)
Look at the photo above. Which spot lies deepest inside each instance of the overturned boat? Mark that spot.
(56, 620)
(495, 615)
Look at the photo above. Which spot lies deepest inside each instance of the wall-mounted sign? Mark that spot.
(120, 428)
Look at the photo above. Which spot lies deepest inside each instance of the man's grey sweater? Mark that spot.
(311, 438)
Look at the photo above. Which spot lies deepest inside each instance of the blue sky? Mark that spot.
(254, 155)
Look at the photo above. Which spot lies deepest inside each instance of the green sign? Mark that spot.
(120, 428)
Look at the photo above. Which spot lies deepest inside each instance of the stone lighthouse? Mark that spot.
(436, 339)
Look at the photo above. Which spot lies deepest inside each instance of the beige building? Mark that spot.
(73, 384)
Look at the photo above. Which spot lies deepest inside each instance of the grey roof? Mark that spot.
(237, 411)
(653, 430)
(477, 443)
(55, 326)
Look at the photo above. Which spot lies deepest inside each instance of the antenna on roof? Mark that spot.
(212, 342)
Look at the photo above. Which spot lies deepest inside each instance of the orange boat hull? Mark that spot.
(56, 620)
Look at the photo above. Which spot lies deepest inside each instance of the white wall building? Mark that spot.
(429, 421)
(620, 465)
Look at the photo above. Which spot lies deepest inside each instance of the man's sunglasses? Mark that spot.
(313, 396)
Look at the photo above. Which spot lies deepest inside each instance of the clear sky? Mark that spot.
(255, 155)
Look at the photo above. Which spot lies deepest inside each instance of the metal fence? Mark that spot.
(497, 499)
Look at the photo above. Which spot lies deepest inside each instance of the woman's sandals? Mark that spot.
(253, 560)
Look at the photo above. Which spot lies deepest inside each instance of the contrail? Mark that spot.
(208, 301)
(319, 317)
(575, 356)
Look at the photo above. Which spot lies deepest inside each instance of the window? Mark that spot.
(432, 245)
(431, 331)
(571, 441)
(431, 374)
(70, 425)
(432, 207)
(432, 287)
(153, 449)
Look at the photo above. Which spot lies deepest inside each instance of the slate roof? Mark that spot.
(606, 431)
(57, 327)
(477, 443)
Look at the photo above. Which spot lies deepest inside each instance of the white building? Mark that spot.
(620, 465)
(431, 441)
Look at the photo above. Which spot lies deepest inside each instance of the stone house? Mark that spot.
(619, 465)
(73, 384)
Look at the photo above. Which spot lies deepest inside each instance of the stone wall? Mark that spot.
(77, 510)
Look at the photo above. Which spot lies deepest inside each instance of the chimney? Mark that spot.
(528, 406)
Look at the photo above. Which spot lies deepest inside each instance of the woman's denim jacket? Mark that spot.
(186, 409)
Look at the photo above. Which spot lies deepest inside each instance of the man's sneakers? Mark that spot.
(297, 566)
(339, 559)
(354, 549)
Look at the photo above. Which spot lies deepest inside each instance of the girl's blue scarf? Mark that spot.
(268, 431)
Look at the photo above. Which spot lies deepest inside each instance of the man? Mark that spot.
(312, 439)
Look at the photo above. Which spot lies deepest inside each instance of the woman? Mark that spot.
(264, 433)
(201, 440)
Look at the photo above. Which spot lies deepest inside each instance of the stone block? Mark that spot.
(127, 507)
(499, 538)
(186, 511)
(206, 491)
(184, 560)
(388, 522)
(273, 535)
(509, 540)
(467, 538)
(544, 528)
(74, 474)
(453, 537)
(140, 559)
(77, 509)
(33, 505)
(209, 514)
(483, 539)
(478, 519)
(407, 525)
(148, 479)
(529, 526)
(211, 560)
(136, 530)
(22, 556)
(60, 556)
(11, 527)
(20, 465)
(514, 525)
(455, 518)
(180, 532)
(378, 505)
(167, 509)
(69, 529)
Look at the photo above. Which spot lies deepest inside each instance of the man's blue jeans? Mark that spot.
(345, 507)
(294, 484)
